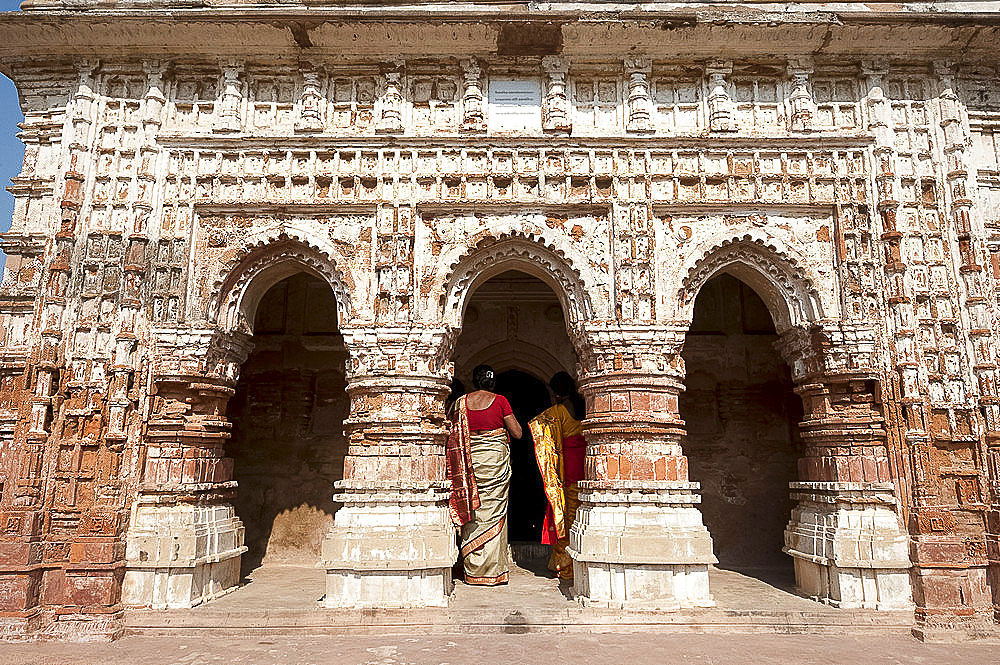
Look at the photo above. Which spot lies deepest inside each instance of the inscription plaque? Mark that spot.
(515, 105)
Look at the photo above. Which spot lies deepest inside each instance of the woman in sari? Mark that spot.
(478, 457)
(560, 450)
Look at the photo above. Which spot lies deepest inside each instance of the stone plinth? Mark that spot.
(641, 547)
(181, 555)
(389, 548)
(849, 547)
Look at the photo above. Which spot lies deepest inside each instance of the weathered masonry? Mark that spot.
(247, 241)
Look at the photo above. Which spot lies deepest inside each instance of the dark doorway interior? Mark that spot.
(288, 413)
(742, 427)
(528, 396)
(515, 323)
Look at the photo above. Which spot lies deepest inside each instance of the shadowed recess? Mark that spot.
(288, 413)
(742, 425)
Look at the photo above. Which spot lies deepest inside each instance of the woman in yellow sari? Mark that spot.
(478, 459)
(560, 450)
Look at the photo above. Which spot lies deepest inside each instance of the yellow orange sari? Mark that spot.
(559, 449)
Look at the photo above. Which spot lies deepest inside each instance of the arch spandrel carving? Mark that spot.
(778, 277)
(463, 269)
(264, 259)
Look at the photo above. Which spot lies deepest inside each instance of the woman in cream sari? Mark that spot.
(560, 450)
(478, 457)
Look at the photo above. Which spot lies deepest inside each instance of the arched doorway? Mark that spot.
(515, 323)
(742, 420)
(288, 443)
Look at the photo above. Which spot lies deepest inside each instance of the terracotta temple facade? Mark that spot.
(253, 244)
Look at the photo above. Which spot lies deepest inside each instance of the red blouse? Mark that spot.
(491, 417)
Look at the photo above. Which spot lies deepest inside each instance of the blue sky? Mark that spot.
(11, 149)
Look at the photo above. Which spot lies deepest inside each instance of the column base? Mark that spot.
(641, 546)
(181, 555)
(389, 548)
(848, 545)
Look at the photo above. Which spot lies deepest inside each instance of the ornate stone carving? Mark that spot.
(310, 101)
(788, 294)
(800, 97)
(492, 255)
(639, 102)
(392, 544)
(555, 103)
(391, 119)
(634, 433)
(720, 106)
(473, 119)
(229, 117)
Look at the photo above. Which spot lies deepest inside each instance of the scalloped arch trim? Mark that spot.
(262, 262)
(515, 251)
(776, 277)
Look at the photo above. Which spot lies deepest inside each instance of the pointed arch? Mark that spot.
(497, 254)
(258, 266)
(776, 276)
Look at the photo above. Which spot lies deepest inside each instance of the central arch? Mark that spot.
(492, 256)
(515, 322)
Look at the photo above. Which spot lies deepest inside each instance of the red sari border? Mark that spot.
(464, 498)
(484, 537)
(502, 578)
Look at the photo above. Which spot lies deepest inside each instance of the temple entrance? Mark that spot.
(515, 323)
(742, 420)
(288, 413)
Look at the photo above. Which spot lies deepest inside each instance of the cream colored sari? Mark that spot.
(484, 537)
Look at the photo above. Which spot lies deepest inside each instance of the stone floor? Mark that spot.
(536, 649)
(285, 600)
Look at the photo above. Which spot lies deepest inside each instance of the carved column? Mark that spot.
(720, 106)
(849, 546)
(310, 109)
(392, 543)
(974, 293)
(800, 98)
(391, 119)
(230, 118)
(639, 101)
(555, 104)
(185, 541)
(638, 539)
(473, 119)
(24, 528)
